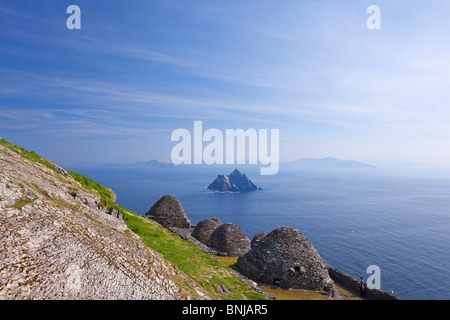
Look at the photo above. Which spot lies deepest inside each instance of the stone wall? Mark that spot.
(353, 284)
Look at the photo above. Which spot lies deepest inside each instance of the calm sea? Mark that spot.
(396, 219)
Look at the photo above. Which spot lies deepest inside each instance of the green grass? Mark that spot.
(231, 262)
(29, 155)
(293, 294)
(183, 254)
(20, 203)
(107, 196)
(348, 295)
(206, 271)
(195, 263)
(280, 294)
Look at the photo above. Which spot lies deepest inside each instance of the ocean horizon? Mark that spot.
(396, 219)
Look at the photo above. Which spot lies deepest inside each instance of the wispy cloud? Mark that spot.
(310, 68)
(118, 105)
(154, 56)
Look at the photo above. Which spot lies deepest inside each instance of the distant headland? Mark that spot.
(329, 162)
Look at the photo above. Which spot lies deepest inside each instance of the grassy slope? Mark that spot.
(199, 266)
(29, 155)
(204, 269)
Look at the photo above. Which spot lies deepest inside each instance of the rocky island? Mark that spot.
(234, 182)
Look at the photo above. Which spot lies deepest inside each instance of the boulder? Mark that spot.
(229, 240)
(61, 170)
(286, 258)
(168, 212)
(205, 228)
(114, 212)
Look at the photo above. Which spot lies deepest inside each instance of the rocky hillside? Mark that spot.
(63, 236)
(57, 240)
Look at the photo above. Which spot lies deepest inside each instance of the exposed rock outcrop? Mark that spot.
(205, 228)
(234, 182)
(115, 213)
(168, 212)
(229, 240)
(286, 257)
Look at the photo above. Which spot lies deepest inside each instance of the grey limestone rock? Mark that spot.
(115, 213)
(54, 245)
(61, 171)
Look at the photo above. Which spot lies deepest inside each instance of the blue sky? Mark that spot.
(114, 91)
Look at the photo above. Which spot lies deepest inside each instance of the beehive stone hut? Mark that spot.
(229, 240)
(257, 238)
(205, 228)
(285, 257)
(168, 212)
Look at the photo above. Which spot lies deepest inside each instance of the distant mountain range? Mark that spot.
(330, 162)
(145, 164)
(155, 164)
